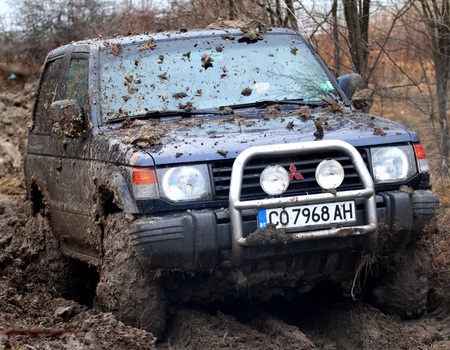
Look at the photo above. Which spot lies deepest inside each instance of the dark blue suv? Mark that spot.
(204, 164)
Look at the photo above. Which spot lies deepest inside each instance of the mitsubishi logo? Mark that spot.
(294, 173)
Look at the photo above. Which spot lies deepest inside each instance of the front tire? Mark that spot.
(125, 288)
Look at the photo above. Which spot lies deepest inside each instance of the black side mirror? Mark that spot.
(68, 119)
(355, 89)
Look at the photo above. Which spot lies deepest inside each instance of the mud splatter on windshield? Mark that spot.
(212, 72)
(150, 45)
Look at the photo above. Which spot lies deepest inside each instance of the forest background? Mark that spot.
(400, 48)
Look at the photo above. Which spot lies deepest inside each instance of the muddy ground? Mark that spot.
(34, 316)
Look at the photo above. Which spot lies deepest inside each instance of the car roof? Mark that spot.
(90, 44)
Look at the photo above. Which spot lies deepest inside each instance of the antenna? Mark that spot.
(301, 24)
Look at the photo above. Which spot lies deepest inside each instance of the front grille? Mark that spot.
(304, 164)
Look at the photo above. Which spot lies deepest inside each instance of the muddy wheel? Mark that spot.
(126, 289)
(403, 288)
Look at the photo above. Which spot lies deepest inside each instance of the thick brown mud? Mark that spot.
(35, 315)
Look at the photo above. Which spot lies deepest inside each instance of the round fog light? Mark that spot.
(329, 174)
(274, 180)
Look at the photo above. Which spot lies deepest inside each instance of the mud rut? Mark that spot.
(34, 316)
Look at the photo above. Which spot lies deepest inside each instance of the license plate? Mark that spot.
(308, 215)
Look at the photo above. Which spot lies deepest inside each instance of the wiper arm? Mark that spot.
(170, 113)
(266, 103)
(180, 112)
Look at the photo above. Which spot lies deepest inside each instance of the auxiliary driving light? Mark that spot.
(329, 174)
(274, 180)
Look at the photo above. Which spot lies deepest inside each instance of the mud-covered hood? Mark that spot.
(211, 138)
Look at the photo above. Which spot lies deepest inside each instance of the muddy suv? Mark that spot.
(201, 165)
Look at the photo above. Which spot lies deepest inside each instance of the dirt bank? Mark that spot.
(34, 316)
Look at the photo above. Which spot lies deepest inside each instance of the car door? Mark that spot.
(75, 220)
(42, 151)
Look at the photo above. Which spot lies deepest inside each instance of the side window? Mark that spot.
(77, 82)
(48, 93)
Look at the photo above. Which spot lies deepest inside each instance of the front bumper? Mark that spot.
(198, 241)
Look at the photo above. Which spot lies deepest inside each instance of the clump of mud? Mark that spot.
(252, 30)
(145, 136)
(197, 329)
(268, 236)
(149, 133)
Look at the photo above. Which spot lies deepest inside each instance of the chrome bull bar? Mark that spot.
(237, 205)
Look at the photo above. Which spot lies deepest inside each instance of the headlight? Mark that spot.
(274, 180)
(393, 163)
(184, 183)
(329, 174)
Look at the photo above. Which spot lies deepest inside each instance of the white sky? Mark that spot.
(5, 15)
(4, 7)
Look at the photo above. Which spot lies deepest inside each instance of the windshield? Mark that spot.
(208, 72)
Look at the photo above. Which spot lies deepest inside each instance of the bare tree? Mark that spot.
(137, 16)
(428, 33)
(335, 33)
(357, 17)
(281, 13)
(180, 14)
(46, 24)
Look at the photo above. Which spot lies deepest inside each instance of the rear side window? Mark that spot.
(49, 92)
(77, 81)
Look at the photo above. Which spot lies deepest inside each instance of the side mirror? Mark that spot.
(67, 119)
(355, 89)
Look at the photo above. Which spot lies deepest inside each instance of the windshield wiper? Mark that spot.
(266, 103)
(223, 110)
(171, 113)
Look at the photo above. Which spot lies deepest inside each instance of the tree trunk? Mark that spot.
(337, 53)
(232, 9)
(364, 19)
(358, 33)
(290, 15)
